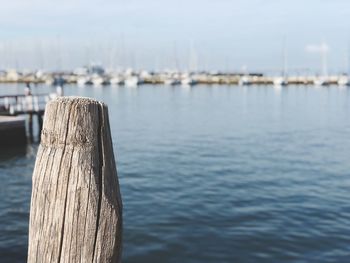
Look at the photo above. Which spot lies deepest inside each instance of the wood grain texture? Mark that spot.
(76, 206)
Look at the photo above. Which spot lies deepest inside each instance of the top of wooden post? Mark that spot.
(76, 99)
(72, 121)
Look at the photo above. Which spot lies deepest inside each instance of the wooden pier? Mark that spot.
(12, 131)
(29, 107)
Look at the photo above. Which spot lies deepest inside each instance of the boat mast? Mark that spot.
(175, 58)
(193, 58)
(348, 60)
(324, 51)
(285, 58)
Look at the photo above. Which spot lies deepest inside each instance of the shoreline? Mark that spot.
(135, 79)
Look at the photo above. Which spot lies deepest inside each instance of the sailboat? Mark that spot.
(171, 81)
(188, 81)
(280, 81)
(116, 80)
(83, 80)
(343, 81)
(132, 81)
(98, 80)
(244, 80)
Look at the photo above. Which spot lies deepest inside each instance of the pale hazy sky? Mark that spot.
(222, 34)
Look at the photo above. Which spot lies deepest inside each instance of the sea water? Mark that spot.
(214, 174)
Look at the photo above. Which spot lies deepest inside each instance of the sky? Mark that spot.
(231, 35)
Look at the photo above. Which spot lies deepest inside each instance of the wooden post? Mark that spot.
(40, 124)
(76, 206)
(30, 127)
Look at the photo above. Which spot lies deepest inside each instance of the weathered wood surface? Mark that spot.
(76, 206)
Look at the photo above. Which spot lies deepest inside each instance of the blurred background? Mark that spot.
(230, 121)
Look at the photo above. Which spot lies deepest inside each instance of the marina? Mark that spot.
(28, 109)
(22, 114)
(98, 76)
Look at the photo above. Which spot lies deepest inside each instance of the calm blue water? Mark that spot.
(215, 174)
